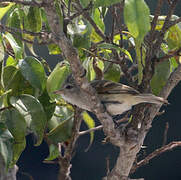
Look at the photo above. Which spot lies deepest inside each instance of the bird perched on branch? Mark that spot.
(116, 97)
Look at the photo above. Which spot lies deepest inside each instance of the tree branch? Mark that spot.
(90, 130)
(157, 152)
(78, 72)
(65, 161)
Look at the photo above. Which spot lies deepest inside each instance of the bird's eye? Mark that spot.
(69, 87)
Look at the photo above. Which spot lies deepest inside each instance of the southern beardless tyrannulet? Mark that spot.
(116, 97)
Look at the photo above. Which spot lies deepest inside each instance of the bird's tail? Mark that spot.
(150, 98)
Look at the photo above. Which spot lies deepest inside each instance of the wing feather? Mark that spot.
(109, 87)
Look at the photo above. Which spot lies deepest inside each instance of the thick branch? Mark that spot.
(78, 71)
(65, 161)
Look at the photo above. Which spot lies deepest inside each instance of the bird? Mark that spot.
(117, 98)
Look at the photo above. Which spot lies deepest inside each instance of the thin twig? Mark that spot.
(166, 24)
(170, 55)
(90, 130)
(157, 152)
(157, 13)
(172, 23)
(165, 134)
(64, 160)
(16, 30)
(4, 108)
(44, 36)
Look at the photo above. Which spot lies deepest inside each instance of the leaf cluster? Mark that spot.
(27, 102)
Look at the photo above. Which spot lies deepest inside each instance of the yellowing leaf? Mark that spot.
(91, 124)
(4, 10)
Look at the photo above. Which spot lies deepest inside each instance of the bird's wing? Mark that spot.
(109, 87)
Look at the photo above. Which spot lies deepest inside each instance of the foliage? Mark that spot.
(27, 102)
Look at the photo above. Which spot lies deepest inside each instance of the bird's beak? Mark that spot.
(60, 91)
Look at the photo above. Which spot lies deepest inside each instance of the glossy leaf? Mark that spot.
(33, 71)
(33, 113)
(14, 21)
(17, 126)
(12, 44)
(136, 16)
(49, 107)
(13, 80)
(57, 77)
(34, 19)
(98, 19)
(91, 124)
(62, 113)
(6, 145)
(8, 77)
(160, 77)
(53, 152)
(63, 131)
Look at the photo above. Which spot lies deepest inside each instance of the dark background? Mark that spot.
(91, 165)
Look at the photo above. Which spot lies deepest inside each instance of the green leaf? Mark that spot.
(33, 113)
(6, 145)
(5, 9)
(160, 77)
(14, 45)
(62, 113)
(113, 72)
(81, 41)
(8, 77)
(34, 19)
(33, 71)
(53, 152)
(98, 3)
(174, 37)
(98, 19)
(94, 37)
(88, 65)
(54, 49)
(12, 79)
(56, 78)
(63, 131)
(15, 122)
(136, 17)
(18, 148)
(14, 21)
(117, 48)
(11, 61)
(91, 124)
(48, 107)
(17, 126)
